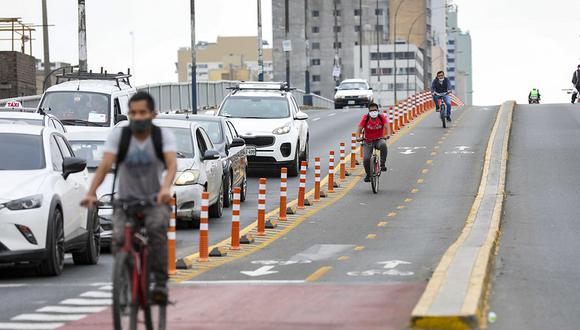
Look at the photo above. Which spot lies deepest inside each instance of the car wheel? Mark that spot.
(306, 154)
(54, 263)
(228, 190)
(294, 168)
(92, 252)
(217, 209)
(244, 188)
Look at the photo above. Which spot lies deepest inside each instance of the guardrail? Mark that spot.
(177, 96)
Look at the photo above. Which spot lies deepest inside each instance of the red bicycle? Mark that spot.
(442, 107)
(131, 275)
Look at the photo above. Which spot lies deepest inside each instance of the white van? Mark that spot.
(88, 100)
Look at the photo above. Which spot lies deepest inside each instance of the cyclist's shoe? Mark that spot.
(159, 294)
(383, 168)
(368, 178)
(449, 119)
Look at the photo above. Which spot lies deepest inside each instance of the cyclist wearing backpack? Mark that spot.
(373, 126)
(141, 152)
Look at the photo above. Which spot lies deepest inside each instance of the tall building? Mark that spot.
(229, 58)
(459, 58)
(438, 35)
(334, 28)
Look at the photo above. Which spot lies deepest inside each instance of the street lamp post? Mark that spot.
(395, 47)
(82, 37)
(286, 31)
(45, 41)
(193, 62)
(260, 44)
(307, 99)
(407, 55)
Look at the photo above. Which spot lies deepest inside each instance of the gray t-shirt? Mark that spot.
(140, 175)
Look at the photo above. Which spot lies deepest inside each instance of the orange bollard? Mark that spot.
(413, 108)
(171, 267)
(342, 161)
(262, 208)
(283, 193)
(353, 151)
(405, 112)
(317, 179)
(235, 243)
(331, 172)
(302, 187)
(396, 118)
(390, 117)
(203, 228)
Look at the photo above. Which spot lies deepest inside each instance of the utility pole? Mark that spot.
(45, 42)
(378, 44)
(360, 35)
(336, 70)
(286, 32)
(307, 97)
(260, 44)
(82, 37)
(395, 46)
(193, 62)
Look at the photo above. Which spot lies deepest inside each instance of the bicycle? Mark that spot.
(131, 276)
(442, 108)
(375, 169)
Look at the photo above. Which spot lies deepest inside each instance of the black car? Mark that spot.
(226, 140)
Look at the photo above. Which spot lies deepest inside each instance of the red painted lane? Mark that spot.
(320, 306)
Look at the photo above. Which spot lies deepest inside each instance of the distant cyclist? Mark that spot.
(534, 96)
(442, 85)
(576, 83)
(372, 129)
(141, 152)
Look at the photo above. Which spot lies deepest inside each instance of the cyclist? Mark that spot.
(141, 151)
(534, 95)
(576, 83)
(442, 85)
(374, 126)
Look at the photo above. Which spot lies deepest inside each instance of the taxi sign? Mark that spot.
(13, 104)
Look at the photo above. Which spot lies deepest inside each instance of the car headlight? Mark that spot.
(339, 96)
(188, 177)
(26, 203)
(282, 130)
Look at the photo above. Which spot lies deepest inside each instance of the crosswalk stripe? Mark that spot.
(71, 309)
(29, 326)
(86, 302)
(48, 317)
(106, 288)
(96, 294)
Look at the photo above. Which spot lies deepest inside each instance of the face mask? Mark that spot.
(441, 79)
(374, 114)
(140, 126)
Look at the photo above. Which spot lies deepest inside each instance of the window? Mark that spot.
(315, 29)
(450, 60)
(337, 45)
(336, 12)
(316, 45)
(356, 12)
(315, 61)
(315, 13)
(213, 129)
(337, 29)
(379, 27)
(357, 28)
(91, 151)
(207, 140)
(378, 12)
(315, 77)
(78, 108)
(55, 155)
(255, 107)
(183, 141)
(200, 142)
(232, 129)
(21, 152)
(64, 148)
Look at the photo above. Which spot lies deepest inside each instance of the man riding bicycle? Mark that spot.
(442, 86)
(141, 152)
(374, 126)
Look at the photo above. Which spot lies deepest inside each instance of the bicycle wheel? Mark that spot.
(443, 111)
(155, 314)
(374, 174)
(124, 308)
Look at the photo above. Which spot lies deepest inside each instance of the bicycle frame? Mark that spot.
(138, 276)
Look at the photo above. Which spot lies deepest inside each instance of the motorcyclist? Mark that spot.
(534, 95)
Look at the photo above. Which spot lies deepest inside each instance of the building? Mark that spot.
(17, 74)
(459, 58)
(333, 29)
(40, 74)
(229, 58)
(438, 36)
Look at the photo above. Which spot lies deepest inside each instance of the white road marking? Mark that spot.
(71, 309)
(332, 114)
(393, 263)
(264, 270)
(280, 262)
(101, 283)
(316, 119)
(249, 282)
(12, 285)
(320, 252)
(96, 294)
(460, 150)
(30, 326)
(106, 288)
(48, 317)
(407, 152)
(86, 302)
(372, 272)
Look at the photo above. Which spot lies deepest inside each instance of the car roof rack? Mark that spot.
(261, 86)
(103, 75)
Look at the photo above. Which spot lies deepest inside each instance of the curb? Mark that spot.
(455, 297)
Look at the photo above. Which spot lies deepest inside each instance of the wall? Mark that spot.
(17, 74)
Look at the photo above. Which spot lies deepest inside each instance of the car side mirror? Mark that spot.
(119, 118)
(237, 142)
(72, 165)
(336, 89)
(211, 155)
(370, 88)
(301, 115)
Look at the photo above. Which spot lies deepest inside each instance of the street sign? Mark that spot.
(13, 104)
(336, 72)
(287, 45)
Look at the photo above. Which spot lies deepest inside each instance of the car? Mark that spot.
(89, 146)
(353, 92)
(270, 121)
(31, 117)
(199, 169)
(40, 214)
(88, 101)
(232, 148)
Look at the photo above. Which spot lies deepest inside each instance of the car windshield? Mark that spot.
(91, 151)
(21, 152)
(35, 122)
(255, 107)
(353, 86)
(213, 129)
(183, 140)
(78, 108)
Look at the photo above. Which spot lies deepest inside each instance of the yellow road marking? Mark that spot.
(382, 224)
(371, 236)
(408, 200)
(420, 181)
(318, 273)
(414, 191)
(434, 153)
(439, 142)
(392, 214)
(400, 207)
(436, 147)
(343, 258)
(425, 171)
(359, 248)
(430, 161)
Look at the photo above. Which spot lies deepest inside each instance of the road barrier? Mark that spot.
(262, 207)
(171, 236)
(316, 179)
(331, 172)
(283, 193)
(302, 186)
(204, 228)
(235, 242)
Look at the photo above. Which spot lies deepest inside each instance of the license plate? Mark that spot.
(350, 102)
(250, 150)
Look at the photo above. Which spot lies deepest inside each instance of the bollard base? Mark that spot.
(323, 194)
(247, 239)
(271, 224)
(291, 209)
(346, 173)
(307, 202)
(357, 162)
(336, 185)
(219, 251)
(181, 264)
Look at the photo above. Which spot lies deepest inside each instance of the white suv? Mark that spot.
(267, 117)
(40, 213)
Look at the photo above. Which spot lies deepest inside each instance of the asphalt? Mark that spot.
(537, 278)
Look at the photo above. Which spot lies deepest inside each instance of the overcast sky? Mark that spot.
(517, 44)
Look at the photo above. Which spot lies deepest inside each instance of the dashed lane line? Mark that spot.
(30, 326)
(343, 258)
(71, 309)
(359, 248)
(318, 273)
(382, 224)
(371, 236)
(47, 317)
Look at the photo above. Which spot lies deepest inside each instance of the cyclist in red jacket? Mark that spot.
(373, 130)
